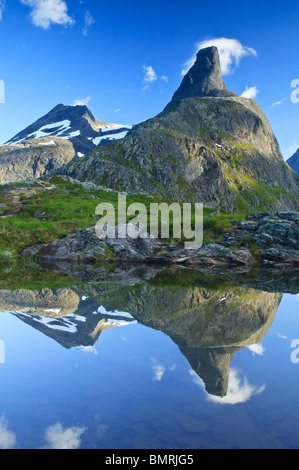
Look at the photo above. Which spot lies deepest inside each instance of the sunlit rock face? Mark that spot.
(207, 145)
(50, 303)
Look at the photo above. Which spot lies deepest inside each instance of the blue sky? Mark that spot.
(125, 59)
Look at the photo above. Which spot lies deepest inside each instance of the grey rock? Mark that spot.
(68, 132)
(208, 145)
(204, 78)
(6, 256)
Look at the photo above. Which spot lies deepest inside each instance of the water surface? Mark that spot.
(149, 364)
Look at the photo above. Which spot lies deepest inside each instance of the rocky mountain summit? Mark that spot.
(65, 133)
(293, 162)
(204, 78)
(207, 145)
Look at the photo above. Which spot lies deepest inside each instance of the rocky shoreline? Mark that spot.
(263, 238)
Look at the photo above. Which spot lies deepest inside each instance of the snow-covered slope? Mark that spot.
(74, 123)
(64, 134)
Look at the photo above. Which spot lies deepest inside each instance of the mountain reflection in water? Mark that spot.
(209, 317)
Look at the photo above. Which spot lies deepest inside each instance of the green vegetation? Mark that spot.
(51, 214)
(16, 276)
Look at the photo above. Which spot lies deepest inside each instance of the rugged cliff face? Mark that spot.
(65, 133)
(34, 158)
(208, 145)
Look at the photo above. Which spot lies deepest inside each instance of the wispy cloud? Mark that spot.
(294, 147)
(231, 51)
(88, 21)
(7, 438)
(44, 13)
(90, 349)
(164, 78)
(117, 110)
(250, 92)
(277, 103)
(59, 438)
(2, 7)
(158, 371)
(82, 101)
(150, 75)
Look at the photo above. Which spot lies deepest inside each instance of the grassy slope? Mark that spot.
(52, 214)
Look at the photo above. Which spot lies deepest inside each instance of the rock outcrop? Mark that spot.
(270, 237)
(204, 78)
(34, 158)
(208, 145)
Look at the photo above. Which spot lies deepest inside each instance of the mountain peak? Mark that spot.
(293, 162)
(204, 78)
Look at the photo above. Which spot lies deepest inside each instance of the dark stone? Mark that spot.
(204, 78)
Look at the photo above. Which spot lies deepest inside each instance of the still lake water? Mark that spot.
(200, 367)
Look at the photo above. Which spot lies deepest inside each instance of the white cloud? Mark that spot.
(82, 101)
(59, 438)
(7, 438)
(250, 92)
(277, 103)
(88, 21)
(150, 75)
(44, 13)
(158, 371)
(90, 349)
(117, 110)
(257, 349)
(294, 147)
(2, 7)
(283, 336)
(238, 392)
(231, 51)
(196, 379)
(164, 78)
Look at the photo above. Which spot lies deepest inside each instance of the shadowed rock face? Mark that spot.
(293, 162)
(204, 78)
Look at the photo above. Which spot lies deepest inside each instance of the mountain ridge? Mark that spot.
(63, 134)
(207, 145)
